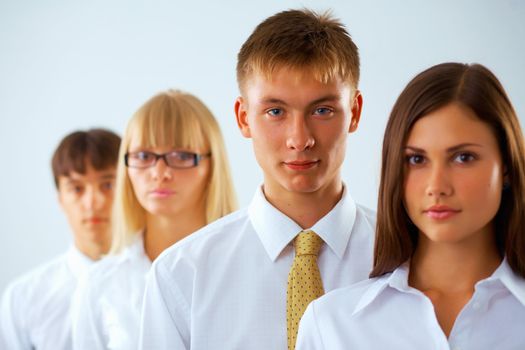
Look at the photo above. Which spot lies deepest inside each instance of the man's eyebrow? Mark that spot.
(327, 98)
(107, 177)
(275, 100)
(68, 180)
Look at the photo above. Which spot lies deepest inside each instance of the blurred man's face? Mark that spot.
(87, 200)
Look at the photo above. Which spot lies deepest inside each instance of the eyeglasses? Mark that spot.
(173, 159)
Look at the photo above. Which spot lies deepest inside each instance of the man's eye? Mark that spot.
(275, 112)
(77, 189)
(323, 111)
(107, 186)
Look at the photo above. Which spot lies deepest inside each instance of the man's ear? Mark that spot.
(357, 107)
(241, 114)
(60, 200)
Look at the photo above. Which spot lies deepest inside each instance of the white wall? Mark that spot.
(66, 65)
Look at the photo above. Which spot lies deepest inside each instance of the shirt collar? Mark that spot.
(398, 279)
(276, 230)
(514, 283)
(77, 261)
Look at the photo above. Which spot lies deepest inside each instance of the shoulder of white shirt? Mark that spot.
(369, 214)
(109, 266)
(40, 275)
(214, 230)
(222, 226)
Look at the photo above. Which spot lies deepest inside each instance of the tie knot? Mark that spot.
(307, 243)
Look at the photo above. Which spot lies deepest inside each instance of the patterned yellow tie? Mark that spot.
(304, 281)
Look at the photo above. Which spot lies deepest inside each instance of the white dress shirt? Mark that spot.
(224, 287)
(108, 301)
(386, 313)
(36, 309)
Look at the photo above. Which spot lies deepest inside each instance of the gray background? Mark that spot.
(66, 65)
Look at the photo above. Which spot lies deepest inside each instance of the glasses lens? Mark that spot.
(141, 159)
(181, 159)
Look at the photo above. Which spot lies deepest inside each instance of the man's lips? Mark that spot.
(96, 220)
(440, 212)
(301, 164)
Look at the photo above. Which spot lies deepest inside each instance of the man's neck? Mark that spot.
(91, 249)
(306, 208)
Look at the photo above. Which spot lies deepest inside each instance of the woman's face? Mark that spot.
(163, 190)
(454, 176)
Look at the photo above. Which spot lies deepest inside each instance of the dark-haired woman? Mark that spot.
(449, 261)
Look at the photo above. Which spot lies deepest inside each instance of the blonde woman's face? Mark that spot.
(166, 191)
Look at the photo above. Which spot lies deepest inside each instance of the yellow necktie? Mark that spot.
(304, 281)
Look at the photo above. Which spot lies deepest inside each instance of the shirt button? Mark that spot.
(476, 305)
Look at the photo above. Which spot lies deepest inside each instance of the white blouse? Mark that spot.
(386, 313)
(36, 308)
(108, 302)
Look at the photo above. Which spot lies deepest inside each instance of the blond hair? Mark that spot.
(300, 39)
(180, 120)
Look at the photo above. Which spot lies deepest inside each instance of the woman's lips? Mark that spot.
(440, 212)
(162, 192)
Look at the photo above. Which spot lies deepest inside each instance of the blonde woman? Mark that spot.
(172, 179)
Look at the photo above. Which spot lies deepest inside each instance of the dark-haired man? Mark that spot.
(35, 309)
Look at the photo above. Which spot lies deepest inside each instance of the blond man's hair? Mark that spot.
(300, 39)
(179, 120)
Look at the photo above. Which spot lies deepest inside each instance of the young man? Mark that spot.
(35, 309)
(244, 281)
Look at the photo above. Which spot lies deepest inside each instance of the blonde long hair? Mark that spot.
(180, 120)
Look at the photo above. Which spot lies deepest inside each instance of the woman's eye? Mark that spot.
(275, 112)
(184, 155)
(464, 158)
(143, 155)
(414, 159)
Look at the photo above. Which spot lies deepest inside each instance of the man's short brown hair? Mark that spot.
(300, 39)
(96, 147)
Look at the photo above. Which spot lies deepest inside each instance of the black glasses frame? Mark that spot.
(196, 159)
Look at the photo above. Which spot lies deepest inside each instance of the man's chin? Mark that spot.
(302, 185)
(96, 233)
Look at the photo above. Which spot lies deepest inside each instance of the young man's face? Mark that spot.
(86, 200)
(299, 128)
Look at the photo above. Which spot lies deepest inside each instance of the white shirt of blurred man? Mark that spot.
(35, 312)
